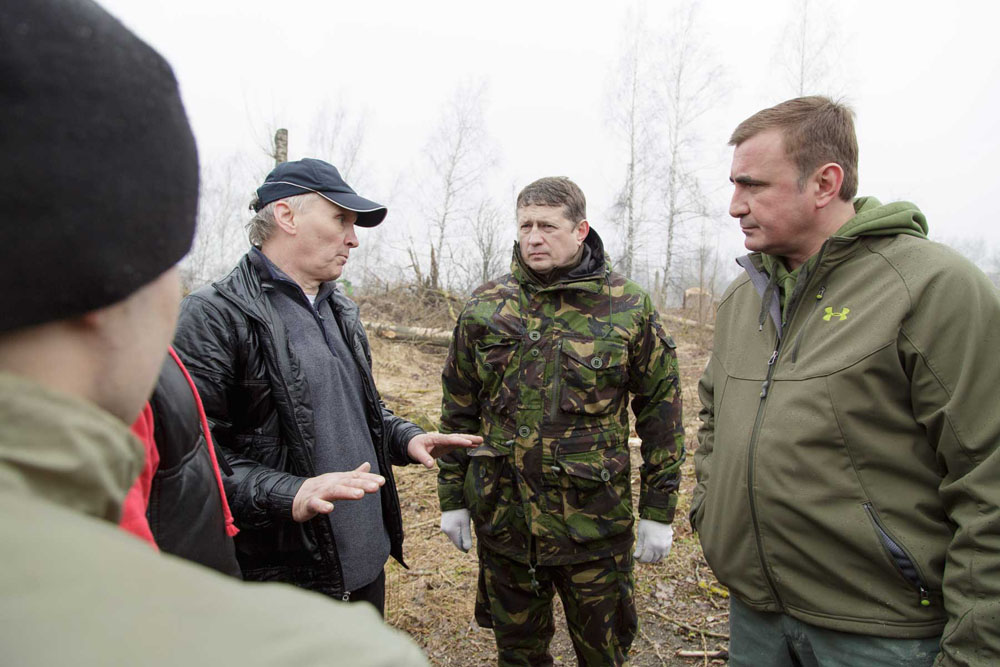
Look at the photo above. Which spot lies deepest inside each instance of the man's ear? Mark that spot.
(582, 229)
(827, 180)
(284, 218)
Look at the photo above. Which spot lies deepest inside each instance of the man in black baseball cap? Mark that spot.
(99, 188)
(282, 363)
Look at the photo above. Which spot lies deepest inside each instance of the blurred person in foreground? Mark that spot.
(283, 366)
(542, 364)
(848, 462)
(99, 189)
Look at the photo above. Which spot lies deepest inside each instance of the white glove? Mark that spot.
(652, 542)
(456, 525)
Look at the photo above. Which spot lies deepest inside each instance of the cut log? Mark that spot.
(439, 337)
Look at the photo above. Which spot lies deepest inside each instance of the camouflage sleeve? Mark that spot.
(459, 414)
(655, 385)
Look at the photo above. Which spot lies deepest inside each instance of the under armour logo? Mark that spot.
(842, 315)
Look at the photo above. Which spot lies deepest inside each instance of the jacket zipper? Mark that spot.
(752, 450)
(751, 475)
(900, 557)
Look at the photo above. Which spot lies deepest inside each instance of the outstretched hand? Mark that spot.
(426, 447)
(315, 494)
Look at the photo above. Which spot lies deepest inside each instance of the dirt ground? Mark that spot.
(681, 605)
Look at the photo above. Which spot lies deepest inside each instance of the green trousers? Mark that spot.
(516, 601)
(762, 639)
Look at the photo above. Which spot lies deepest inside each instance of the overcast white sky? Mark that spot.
(923, 77)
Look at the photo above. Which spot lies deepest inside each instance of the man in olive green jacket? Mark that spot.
(90, 298)
(848, 460)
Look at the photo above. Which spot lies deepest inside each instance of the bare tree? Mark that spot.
(489, 248)
(689, 87)
(338, 136)
(809, 51)
(459, 155)
(707, 267)
(632, 115)
(220, 238)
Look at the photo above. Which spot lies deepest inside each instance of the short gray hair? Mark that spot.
(261, 225)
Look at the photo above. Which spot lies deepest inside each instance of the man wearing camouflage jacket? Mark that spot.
(541, 364)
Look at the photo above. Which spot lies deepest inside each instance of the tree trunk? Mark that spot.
(280, 146)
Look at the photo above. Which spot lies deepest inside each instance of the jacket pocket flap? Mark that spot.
(595, 354)
(601, 466)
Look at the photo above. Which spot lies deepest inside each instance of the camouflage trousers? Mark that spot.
(516, 601)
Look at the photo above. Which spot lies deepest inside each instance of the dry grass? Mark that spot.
(681, 605)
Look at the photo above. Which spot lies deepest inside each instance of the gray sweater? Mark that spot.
(343, 439)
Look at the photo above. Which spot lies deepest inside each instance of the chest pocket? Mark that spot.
(594, 375)
(497, 369)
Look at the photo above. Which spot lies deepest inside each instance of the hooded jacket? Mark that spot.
(75, 589)
(543, 370)
(848, 451)
(237, 351)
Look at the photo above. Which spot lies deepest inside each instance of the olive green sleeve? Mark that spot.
(706, 442)
(949, 348)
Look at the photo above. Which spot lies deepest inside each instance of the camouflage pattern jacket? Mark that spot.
(543, 372)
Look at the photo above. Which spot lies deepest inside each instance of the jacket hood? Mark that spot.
(872, 218)
(65, 449)
(593, 264)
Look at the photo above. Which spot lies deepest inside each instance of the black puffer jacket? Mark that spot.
(186, 514)
(237, 350)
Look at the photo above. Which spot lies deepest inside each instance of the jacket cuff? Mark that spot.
(407, 433)
(657, 506)
(451, 497)
(282, 495)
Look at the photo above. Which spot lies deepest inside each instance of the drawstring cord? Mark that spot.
(231, 529)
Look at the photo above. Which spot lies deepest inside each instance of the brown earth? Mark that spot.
(681, 605)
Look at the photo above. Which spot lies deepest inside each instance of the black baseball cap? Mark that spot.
(322, 178)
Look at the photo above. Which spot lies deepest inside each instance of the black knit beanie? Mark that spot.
(98, 167)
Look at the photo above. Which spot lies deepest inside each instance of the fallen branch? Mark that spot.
(685, 626)
(428, 522)
(708, 655)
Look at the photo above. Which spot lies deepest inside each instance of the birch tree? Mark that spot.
(688, 88)
(458, 155)
(810, 49)
(633, 117)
